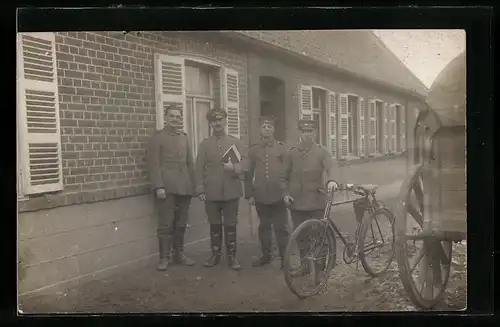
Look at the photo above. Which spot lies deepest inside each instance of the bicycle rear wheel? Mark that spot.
(309, 258)
(376, 242)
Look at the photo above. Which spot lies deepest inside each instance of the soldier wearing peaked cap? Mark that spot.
(264, 189)
(171, 170)
(218, 183)
(304, 184)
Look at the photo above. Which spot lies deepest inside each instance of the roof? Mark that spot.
(447, 95)
(359, 52)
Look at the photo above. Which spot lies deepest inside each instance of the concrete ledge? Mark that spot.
(61, 286)
(61, 246)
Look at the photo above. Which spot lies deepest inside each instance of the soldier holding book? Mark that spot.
(218, 183)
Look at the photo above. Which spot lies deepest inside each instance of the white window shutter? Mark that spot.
(38, 114)
(403, 128)
(393, 128)
(170, 83)
(372, 127)
(343, 125)
(305, 102)
(332, 110)
(385, 119)
(361, 129)
(232, 102)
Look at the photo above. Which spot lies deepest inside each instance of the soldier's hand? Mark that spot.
(251, 201)
(161, 194)
(229, 165)
(202, 197)
(288, 200)
(332, 186)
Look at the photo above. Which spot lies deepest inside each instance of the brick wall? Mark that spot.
(107, 108)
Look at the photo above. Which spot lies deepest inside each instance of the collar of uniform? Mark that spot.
(269, 142)
(305, 147)
(172, 131)
(219, 136)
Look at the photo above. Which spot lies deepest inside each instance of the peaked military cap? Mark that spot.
(307, 125)
(216, 114)
(267, 120)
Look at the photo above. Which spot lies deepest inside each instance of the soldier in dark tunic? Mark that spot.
(265, 190)
(305, 184)
(171, 169)
(219, 185)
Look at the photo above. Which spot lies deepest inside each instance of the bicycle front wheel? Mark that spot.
(309, 258)
(376, 242)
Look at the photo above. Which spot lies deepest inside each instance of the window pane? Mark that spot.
(203, 128)
(188, 121)
(197, 81)
(318, 122)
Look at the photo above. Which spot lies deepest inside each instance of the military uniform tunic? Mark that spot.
(171, 167)
(264, 182)
(266, 170)
(171, 164)
(211, 179)
(304, 170)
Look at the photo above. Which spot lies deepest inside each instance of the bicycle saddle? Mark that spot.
(368, 188)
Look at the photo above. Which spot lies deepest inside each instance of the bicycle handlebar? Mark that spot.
(355, 188)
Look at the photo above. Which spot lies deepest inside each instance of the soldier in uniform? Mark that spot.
(171, 170)
(264, 189)
(304, 169)
(219, 185)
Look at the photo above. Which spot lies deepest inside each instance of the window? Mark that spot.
(383, 125)
(401, 128)
(196, 86)
(352, 125)
(200, 98)
(320, 105)
(319, 114)
(39, 138)
(373, 129)
(393, 128)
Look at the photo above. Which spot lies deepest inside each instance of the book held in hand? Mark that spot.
(233, 154)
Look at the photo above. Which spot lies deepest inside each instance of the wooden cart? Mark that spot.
(431, 213)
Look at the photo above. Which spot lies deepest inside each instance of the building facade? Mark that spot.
(89, 101)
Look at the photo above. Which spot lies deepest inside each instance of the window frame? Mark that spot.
(322, 114)
(354, 143)
(199, 60)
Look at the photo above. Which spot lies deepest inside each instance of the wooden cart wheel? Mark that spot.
(423, 259)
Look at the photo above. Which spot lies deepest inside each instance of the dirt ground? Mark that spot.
(218, 289)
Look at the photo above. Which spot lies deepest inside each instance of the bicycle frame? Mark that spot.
(373, 208)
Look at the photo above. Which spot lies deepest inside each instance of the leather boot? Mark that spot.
(304, 265)
(179, 257)
(216, 245)
(164, 249)
(230, 237)
(262, 261)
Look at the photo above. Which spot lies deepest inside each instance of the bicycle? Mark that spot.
(319, 261)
